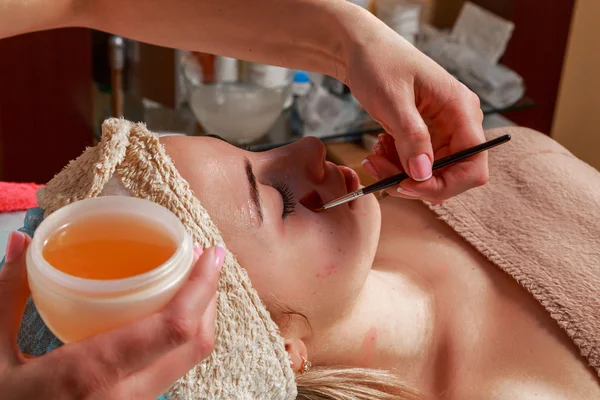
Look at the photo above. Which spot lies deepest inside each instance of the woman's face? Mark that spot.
(314, 263)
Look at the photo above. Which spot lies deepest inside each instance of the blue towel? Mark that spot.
(34, 336)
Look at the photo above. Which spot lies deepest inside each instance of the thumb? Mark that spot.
(413, 144)
(14, 290)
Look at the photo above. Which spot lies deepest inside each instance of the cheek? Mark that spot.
(329, 252)
(327, 271)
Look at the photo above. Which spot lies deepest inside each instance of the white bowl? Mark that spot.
(240, 112)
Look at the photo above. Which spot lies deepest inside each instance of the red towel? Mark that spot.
(17, 196)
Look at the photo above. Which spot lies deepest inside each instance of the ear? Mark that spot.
(296, 350)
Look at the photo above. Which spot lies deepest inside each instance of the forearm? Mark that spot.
(303, 34)
(24, 16)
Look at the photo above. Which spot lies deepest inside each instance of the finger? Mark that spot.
(464, 175)
(452, 180)
(386, 147)
(154, 380)
(412, 141)
(14, 292)
(381, 168)
(104, 359)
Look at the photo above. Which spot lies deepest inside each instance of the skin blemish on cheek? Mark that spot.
(331, 269)
(327, 271)
(368, 347)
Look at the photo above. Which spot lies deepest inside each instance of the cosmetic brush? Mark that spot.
(396, 179)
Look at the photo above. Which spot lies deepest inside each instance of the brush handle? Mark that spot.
(442, 162)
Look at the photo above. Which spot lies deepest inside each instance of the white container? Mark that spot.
(403, 16)
(226, 69)
(268, 76)
(75, 308)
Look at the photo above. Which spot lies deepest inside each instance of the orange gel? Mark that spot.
(108, 247)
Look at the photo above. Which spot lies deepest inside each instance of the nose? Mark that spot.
(306, 155)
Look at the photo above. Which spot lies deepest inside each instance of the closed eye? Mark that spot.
(287, 197)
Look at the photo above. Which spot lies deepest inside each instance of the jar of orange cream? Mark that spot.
(101, 263)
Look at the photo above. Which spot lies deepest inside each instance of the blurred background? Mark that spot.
(533, 63)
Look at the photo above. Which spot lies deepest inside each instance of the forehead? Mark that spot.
(190, 147)
(216, 174)
(202, 159)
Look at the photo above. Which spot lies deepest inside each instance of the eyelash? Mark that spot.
(289, 200)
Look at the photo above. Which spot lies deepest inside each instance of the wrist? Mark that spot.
(359, 31)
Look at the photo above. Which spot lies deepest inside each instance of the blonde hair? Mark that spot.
(347, 383)
(341, 383)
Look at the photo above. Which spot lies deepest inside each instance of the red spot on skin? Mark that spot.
(327, 271)
(314, 293)
(339, 249)
(330, 269)
(368, 347)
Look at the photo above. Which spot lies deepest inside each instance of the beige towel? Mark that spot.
(538, 219)
(249, 360)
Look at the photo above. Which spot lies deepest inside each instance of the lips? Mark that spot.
(312, 200)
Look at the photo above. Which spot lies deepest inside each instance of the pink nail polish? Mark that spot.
(407, 192)
(368, 165)
(15, 246)
(198, 250)
(420, 167)
(219, 257)
(377, 148)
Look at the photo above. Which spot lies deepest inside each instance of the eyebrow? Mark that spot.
(253, 189)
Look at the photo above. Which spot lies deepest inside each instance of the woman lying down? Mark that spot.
(494, 294)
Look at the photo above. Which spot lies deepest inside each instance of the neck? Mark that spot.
(391, 327)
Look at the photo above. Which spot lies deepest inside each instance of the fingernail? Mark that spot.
(377, 149)
(219, 257)
(14, 246)
(420, 167)
(380, 137)
(198, 250)
(368, 165)
(407, 192)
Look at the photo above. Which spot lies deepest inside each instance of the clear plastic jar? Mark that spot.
(74, 308)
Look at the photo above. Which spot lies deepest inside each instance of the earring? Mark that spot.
(305, 367)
